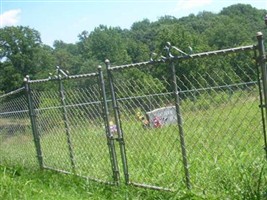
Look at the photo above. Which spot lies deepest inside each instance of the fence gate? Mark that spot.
(70, 127)
(178, 121)
(190, 128)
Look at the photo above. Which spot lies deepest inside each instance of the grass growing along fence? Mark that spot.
(223, 141)
(21, 183)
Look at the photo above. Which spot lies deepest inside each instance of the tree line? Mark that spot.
(23, 53)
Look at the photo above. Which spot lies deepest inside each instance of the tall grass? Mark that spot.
(224, 151)
(20, 183)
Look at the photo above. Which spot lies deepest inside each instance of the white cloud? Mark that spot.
(10, 18)
(190, 4)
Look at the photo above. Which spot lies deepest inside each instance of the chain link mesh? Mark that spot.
(16, 141)
(223, 128)
(221, 123)
(218, 105)
(71, 127)
(153, 153)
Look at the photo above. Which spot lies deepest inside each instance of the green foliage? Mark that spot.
(223, 165)
(67, 56)
(137, 83)
(236, 173)
(49, 114)
(23, 53)
(20, 183)
(10, 79)
(107, 43)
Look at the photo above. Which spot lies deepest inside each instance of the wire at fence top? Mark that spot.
(63, 78)
(185, 57)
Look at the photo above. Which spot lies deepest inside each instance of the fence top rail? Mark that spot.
(184, 57)
(12, 92)
(218, 52)
(56, 78)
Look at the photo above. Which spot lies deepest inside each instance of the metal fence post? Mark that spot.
(179, 118)
(263, 68)
(180, 126)
(35, 132)
(110, 138)
(118, 123)
(65, 118)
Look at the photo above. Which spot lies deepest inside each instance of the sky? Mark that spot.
(66, 19)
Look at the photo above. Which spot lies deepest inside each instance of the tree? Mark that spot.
(10, 79)
(22, 53)
(18, 47)
(109, 43)
(67, 56)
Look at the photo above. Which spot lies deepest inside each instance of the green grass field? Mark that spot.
(21, 183)
(223, 139)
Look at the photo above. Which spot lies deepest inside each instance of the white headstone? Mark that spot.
(162, 116)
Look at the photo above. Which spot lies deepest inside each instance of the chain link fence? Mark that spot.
(71, 127)
(16, 140)
(199, 129)
(217, 114)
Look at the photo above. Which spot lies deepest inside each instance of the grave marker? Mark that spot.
(162, 116)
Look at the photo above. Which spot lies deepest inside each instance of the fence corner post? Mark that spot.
(263, 69)
(32, 114)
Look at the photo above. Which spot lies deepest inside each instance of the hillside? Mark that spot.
(24, 53)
